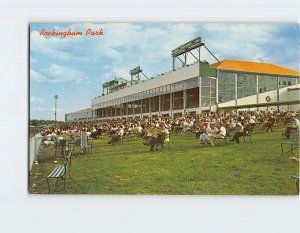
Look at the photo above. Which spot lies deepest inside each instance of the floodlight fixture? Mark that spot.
(135, 73)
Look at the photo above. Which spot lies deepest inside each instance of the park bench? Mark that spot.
(293, 142)
(296, 178)
(61, 171)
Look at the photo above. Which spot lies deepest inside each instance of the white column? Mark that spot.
(184, 101)
(236, 90)
(159, 105)
(200, 103)
(257, 90)
(171, 104)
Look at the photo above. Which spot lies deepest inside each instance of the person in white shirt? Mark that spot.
(121, 132)
(252, 121)
(296, 123)
(294, 126)
(221, 133)
(205, 137)
(239, 129)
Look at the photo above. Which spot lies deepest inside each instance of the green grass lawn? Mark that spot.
(182, 168)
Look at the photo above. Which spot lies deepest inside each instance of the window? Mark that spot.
(145, 105)
(155, 104)
(205, 101)
(266, 83)
(178, 86)
(212, 92)
(246, 85)
(165, 102)
(287, 81)
(137, 107)
(205, 81)
(226, 83)
(178, 100)
(205, 91)
(192, 98)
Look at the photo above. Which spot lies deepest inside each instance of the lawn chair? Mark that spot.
(248, 134)
(293, 142)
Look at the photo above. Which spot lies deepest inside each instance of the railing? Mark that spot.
(34, 145)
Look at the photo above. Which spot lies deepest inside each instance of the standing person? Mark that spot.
(238, 131)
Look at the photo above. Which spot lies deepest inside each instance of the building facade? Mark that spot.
(81, 115)
(201, 87)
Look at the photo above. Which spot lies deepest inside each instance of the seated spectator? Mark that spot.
(295, 125)
(271, 125)
(247, 127)
(221, 133)
(252, 121)
(265, 124)
(238, 131)
(200, 130)
(204, 136)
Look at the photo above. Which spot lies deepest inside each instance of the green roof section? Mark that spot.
(206, 70)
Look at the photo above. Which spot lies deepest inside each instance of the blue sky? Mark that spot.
(74, 68)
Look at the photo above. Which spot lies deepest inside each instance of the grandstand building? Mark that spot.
(199, 87)
(195, 88)
(81, 115)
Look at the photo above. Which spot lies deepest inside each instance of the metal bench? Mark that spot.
(297, 178)
(61, 171)
(294, 142)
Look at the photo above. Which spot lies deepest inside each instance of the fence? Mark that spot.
(34, 145)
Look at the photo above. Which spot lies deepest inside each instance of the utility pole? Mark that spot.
(55, 98)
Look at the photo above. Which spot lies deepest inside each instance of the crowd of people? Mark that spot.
(207, 126)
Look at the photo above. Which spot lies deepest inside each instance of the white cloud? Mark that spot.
(36, 99)
(240, 41)
(57, 110)
(149, 47)
(36, 76)
(45, 110)
(124, 45)
(52, 46)
(58, 74)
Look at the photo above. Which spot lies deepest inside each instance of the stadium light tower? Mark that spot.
(135, 72)
(55, 98)
(187, 48)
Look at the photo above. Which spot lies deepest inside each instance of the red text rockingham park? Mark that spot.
(69, 32)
